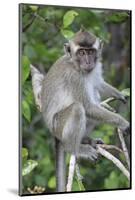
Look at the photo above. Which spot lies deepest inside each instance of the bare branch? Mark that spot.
(106, 146)
(109, 156)
(107, 106)
(79, 176)
(71, 173)
(109, 100)
(124, 147)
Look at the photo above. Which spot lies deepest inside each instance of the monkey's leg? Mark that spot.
(109, 91)
(74, 128)
(71, 122)
(105, 116)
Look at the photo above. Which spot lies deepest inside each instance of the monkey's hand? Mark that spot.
(125, 94)
(123, 98)
(126, 131)
(109, 91)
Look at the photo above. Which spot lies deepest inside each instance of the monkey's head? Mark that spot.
(84, 50)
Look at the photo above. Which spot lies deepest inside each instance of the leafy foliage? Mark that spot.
(45, 29)
(28, 165)
(26, 68)
(69, 18)
(118, 17)
(26, 110)
(67, 33)
(126, 92)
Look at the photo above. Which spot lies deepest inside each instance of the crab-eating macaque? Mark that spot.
(71, 96)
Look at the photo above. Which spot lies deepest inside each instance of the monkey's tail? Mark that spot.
(37, 82)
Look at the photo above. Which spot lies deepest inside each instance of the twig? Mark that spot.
(124, 147)
(106, 146)
(109, 156)
(71, 173)
(29, 23)
(109, 100)
(79, 176)
(46, 20)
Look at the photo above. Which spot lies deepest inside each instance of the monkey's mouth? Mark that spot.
(88, 67)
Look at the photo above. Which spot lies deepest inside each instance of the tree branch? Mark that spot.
(109, 156)
(71, 173)
(106, 146)
(124, 147)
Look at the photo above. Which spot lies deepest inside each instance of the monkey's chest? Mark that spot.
(92, 93)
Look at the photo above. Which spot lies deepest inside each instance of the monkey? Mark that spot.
(70, 96)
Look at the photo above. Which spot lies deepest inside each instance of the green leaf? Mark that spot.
(52, 182)
(112, 181)
(34, 8)
(69, 18)
(126, 92)
(24, 153)
(67, 33)
(29, 165)
(28, 92)
(118, 17)
(25, 68)
(26, 110)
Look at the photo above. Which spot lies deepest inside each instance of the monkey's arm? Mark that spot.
(105, 116)
(107, 90)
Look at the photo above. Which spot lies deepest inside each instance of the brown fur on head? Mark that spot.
(84, 38)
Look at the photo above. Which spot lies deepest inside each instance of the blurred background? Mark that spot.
(44, 30)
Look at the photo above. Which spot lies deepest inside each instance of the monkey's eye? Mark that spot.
(90, 52)
(81, 52)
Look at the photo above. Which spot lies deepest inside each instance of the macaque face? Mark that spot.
(86, 58)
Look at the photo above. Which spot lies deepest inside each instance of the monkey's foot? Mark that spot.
(88, 152)
(96, 141)
(99, 141)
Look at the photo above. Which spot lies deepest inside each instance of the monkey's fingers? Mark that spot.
(127, 131)
(124, 99)
(92, 154)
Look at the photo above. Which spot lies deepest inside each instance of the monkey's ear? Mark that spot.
(67, 48)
